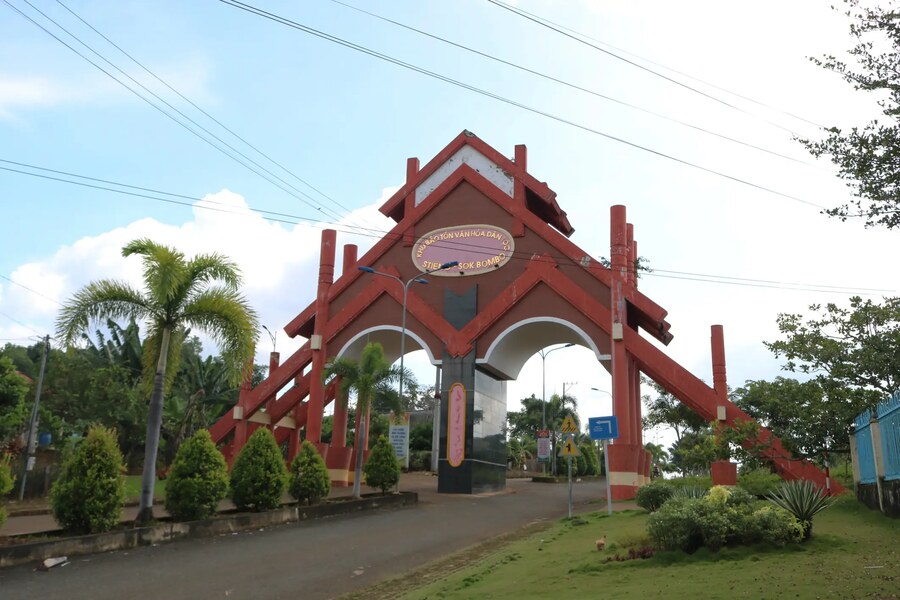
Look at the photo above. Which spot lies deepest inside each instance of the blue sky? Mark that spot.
(346, 122)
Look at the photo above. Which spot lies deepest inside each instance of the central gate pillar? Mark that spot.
(472, 456)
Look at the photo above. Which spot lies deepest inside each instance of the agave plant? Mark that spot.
(803, 500)
(690, 492)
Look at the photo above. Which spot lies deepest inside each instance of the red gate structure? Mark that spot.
(520, 286)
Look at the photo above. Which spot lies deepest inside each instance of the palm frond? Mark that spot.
(100, 300)
(226, 316)
(165, 269)
(206, 268)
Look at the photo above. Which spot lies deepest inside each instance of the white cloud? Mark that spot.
(279, 262)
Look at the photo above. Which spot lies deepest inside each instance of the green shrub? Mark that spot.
(310, 481)
(382, 469)
(7, 482)
(258, 476)
(803, 500)
(759, 482)
(777, 526)
(420, 460)
(724, 517)
(90, 491)
(589, 451)
(740, 497)
(689, 491)
(582, 463)
(673, 526)
(198, 479)
(703, 483)
(653, 495)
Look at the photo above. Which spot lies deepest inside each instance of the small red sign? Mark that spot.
(478, 249)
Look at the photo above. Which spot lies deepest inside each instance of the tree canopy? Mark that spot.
(868, 156)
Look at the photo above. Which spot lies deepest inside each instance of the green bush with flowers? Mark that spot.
(724, 517)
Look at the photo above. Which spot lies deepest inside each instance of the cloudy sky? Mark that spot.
(732, 227)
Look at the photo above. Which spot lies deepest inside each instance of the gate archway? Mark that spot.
(521, 283)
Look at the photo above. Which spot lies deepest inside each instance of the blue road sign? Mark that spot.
(603, 428)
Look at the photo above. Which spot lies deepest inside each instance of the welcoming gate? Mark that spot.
(520, 286)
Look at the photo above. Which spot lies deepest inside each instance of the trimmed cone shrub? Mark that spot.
(6, 485)
(382, 469)
(258, 476)
(653, 495)
(198, 479)
(310, 481)
(90, 491)
(803, 500)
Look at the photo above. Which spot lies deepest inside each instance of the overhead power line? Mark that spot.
(205, 113)
(580, 39)
(574, 86)
(563, 261)
(25, 287)
(271, 178)
(334, 39)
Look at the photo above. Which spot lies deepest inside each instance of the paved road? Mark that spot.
(311, 560)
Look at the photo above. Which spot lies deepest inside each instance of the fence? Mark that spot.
(877, 463)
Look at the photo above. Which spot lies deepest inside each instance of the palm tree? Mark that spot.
(370, 377)
(558, 408)
(201, 293)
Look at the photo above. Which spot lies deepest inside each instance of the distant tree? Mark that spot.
(202, 293)
(665, 409)
(853, 353)
(868, 157)
(808, 422)
(527, 421)
(13, 408)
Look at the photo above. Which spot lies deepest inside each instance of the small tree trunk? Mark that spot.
(357, 471)
(154, 423)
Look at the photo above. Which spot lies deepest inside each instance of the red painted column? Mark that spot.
(240, 427)
(316, 386)
(350, 259)
(274, 361)
(339, 455)
(720, 381)
(723, 472)
(629, 253)
(294, 436)
(624, 455)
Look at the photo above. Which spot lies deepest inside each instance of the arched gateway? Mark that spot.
(520, 285)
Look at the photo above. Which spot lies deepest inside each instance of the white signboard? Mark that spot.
(399, 435)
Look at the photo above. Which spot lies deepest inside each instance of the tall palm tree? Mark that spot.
(370, 377)
(201, 293)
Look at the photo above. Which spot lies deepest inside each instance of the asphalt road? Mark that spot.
(311, 560)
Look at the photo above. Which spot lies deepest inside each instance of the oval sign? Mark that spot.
(477, 248)
(456, 425)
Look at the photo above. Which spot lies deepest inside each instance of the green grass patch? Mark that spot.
(133, 488)
(853, 554)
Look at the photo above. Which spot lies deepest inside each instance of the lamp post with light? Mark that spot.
(544, 389)
(406, 284)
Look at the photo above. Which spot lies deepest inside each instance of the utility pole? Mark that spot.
(32, 430)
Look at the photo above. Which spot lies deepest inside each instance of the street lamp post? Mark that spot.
(406, 284)
(544, 389)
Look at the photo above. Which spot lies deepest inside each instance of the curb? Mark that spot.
(18, 554)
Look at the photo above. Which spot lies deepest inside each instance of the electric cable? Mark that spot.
(576, 86)
(334, 39)
(562, 261)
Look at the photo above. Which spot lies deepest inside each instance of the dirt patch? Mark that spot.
(444, 567)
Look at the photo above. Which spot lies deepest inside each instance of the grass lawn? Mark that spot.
(854, 553)
(133, 488)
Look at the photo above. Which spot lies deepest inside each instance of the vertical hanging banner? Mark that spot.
(543, 445)
(456, 425)
(399, 436)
